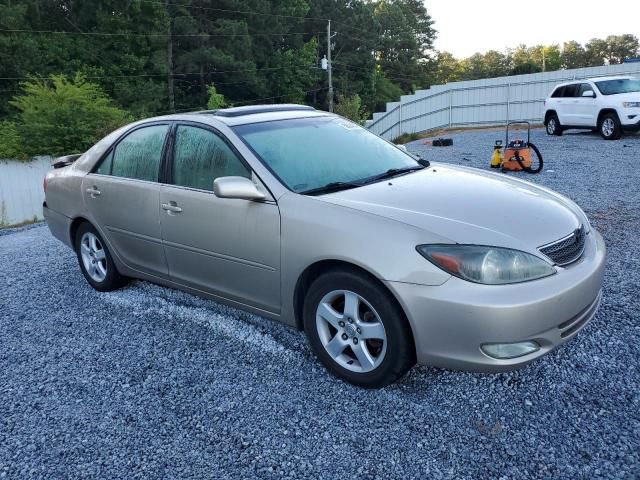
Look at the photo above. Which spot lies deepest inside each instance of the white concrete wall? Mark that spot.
(480, 102)
(21, 192)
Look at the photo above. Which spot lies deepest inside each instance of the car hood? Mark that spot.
(468, 205)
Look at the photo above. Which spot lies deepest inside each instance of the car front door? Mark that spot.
(227, 247)
(569, 111)
(123, 195)
(586, 106)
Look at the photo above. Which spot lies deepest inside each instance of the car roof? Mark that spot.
(594, 79)
(248, 114)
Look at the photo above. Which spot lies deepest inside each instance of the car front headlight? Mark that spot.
(487, 265)
(631, 104)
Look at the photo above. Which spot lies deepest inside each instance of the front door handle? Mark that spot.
(171, 208)
(93, 191)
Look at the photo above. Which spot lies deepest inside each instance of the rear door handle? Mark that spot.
(93, 191)
(171, 207)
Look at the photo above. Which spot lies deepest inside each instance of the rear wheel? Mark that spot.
(609, 127)
(357, 330)
(95, 260)
(553, 125)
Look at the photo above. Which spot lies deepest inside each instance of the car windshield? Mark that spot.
(622, 85)
(315, 152)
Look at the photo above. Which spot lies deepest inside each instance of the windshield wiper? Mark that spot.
(393, 172)
(331, 187)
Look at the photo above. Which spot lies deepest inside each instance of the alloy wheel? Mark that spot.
(351, 331)
(93, 256)
(608, 127)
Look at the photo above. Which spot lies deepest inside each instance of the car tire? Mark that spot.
(553, 125)
(95, 260)
(609, 127)
(357, 329)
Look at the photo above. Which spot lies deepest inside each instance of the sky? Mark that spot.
(469, 26)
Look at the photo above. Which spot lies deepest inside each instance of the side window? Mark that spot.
(105, 165)
(559, 92)
(138, 154)
(584, 87)
(200, 156)
(570, 91)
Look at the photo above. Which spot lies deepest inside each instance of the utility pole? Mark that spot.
(329, 65)
(544, 61)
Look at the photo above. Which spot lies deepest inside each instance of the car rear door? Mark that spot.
(122, 195)
(227, 247)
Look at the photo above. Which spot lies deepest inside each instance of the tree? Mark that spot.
(596, 52)
(573, 55)
(62, 116)
(620, 47)
(10, 144)
(448, 68)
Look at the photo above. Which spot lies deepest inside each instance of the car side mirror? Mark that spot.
(237, 187)
(589, 93)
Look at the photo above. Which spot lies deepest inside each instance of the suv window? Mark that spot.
(570, 90)
(200, 156)
(559, 92)
(137, 155)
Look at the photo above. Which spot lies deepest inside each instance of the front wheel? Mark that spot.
(357, 329)
(95, 260)
(609, 127)
(553, 125)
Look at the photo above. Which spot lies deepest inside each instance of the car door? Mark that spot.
(586, 108)
(228, 247)
(123, 196)
(569, 109)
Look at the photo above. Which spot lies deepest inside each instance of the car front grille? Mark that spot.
(566, 250)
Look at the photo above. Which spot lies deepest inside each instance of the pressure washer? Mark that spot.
(517, 153)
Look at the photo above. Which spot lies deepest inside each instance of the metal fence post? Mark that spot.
(450, 106)
(508, 100)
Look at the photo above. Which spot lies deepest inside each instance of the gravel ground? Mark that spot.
(149, 382)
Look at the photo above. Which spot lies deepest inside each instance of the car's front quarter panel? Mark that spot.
(451, 321)
(314, 230)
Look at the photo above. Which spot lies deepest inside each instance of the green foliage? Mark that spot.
(10, 145)
(408, 137)
(62, 116)
(216, 100)
(351, 108)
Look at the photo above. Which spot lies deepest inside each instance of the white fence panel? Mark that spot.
(491, 101)
(21, 192)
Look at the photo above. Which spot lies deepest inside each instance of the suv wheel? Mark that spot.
(357, 330)
(609, 127)
(553, 125)
(95, 260)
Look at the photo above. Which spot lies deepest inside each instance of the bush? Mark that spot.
(62, 116)
(351, 108)
(10, 145)
(216, 100)
(407, 137)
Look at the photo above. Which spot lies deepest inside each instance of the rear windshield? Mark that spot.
(614, 87)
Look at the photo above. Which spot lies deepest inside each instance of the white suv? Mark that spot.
(610, 104)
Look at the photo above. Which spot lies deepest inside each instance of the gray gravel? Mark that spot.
(149, 382)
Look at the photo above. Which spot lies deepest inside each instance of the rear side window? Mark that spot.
(138, 154)
(200, 156)
(559, 92)
(570, 91)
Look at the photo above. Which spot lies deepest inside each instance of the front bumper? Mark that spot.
(451, 321)
(632, 127)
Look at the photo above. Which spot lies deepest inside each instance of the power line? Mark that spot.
(224, 10)
(279, 96)
(134, 34)
(151, 75)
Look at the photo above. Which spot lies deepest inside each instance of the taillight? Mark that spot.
(44, 184)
